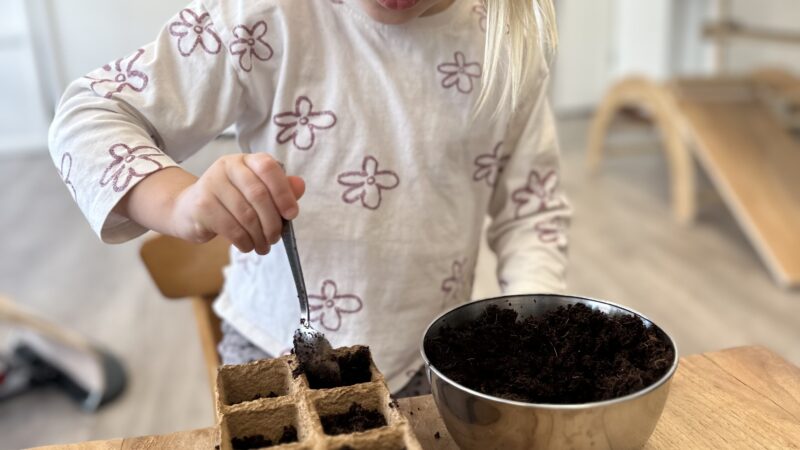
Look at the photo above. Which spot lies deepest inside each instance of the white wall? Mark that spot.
(91, 33)
(744, 56)
(59, 41)
(641, 38)
(692, 53)
(583, 64)
(604, 40)
(23, 118)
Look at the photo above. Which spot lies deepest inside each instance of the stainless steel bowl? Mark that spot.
(479, 421)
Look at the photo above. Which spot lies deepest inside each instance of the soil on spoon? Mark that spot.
(354, 420)
(572, 354)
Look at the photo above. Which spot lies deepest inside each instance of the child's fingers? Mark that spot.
(260, 199)
(241, 210)
(217, 218)
(271, 174)
(298, 186)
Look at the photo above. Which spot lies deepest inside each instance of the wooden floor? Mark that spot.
(704, 284)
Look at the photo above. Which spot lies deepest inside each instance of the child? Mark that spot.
(404, 131)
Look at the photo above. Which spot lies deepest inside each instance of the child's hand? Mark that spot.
(240, 197)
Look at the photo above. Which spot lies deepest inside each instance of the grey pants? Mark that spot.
(237, 349)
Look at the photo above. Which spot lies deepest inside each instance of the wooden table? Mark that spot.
(745, 397)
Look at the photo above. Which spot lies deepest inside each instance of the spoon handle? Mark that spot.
(290, 243)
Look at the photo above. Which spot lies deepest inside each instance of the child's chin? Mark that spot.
(385, 16)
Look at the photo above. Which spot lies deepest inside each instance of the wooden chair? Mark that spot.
(184, 270)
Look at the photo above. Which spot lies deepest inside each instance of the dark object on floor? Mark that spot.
(259, 441)
(38, 352)
(356, 419)
(25, 370)
(437, 435)
(572, 354)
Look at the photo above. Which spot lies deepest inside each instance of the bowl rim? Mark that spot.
(561, 406)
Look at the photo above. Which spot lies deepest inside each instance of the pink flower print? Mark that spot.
(490, 166)
(459, 73)
(455, 287)
(127, 162)
(551, 231)
(367, 184)
(299, 125)
(65, 170)
(250, 44)
(193, 30)
(327, 307)
(539, 194)
(119, 76)
(480, 10)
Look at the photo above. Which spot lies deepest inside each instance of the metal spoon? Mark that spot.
(314, 352)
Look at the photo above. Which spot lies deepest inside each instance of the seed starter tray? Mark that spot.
(264, 398)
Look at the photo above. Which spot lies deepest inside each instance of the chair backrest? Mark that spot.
(182, 269)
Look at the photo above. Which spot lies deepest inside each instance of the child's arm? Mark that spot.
(530, 214)
(119, 131)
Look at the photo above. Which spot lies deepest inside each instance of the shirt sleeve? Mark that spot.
(143, 113)
(529, 212)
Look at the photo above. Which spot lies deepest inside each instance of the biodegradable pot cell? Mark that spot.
(271, 403)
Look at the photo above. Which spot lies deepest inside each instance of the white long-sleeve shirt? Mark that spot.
(376, 118)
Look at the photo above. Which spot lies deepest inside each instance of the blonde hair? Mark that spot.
(515, 31)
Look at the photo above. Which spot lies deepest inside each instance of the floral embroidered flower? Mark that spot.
(480, 10)
(366, 185)
(456, 286)
(250, 44)
(115, 78)
(490, 166)
(551, 231)
(459, 73)
(127, 162)
(327, 307)
(193, 30)
(539, 194)
(299, 126)
(65, 170)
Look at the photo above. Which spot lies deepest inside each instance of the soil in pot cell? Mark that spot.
(260, 427)
(268, 378)
(354, 420)
(353, 409)
(288, 436)
(355, 368)
(377, 439)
